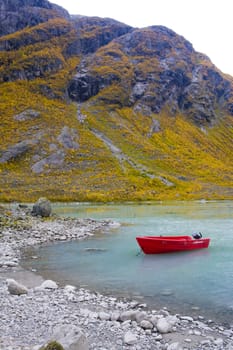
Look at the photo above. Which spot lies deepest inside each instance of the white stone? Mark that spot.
(115, 316)
(146, 324)
(80, 299)
(128, 315)
(228, 332)
(218, 342)
(70, 289)
(85, 312)
(203, 326)
(130, 338)
(10, 263)
(16, 288)
(153, 319)
(93, 315)
(49, 284)
(141, 315)
(104, 316)
(165, 324)
(174, 346)
(205, 342)
(172, 320)
(62, 238)
(188, 340)
(70, 337)
(126, 324)
(158, 337)
(186, 318)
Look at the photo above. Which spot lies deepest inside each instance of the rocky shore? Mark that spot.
(35, 314)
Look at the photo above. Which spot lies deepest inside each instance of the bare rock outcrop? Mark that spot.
(161, 71)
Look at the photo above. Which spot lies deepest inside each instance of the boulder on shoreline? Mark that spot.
(70, 337)
(42, 208)
(48, 284)
(15, 288)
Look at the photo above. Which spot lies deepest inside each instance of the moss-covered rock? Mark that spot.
(53, 345)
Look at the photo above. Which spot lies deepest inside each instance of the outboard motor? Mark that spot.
(197, 235)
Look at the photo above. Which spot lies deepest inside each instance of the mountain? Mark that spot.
(93, 109)
(161, 69)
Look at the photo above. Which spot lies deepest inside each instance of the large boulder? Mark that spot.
(54, 160)
(42, 208)
(70, 337)
(16, 288)
(18, 150)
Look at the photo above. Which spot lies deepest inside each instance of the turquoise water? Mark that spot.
(111, 261)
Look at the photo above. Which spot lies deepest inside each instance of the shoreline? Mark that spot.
(105, 322)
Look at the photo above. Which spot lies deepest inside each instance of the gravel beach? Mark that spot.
(35, 312)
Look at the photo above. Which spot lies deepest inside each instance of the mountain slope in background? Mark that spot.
(93, 109)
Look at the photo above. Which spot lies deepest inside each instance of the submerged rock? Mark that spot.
(95, 250)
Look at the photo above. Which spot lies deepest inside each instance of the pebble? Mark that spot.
(48, 284)
(130, 338)
(174, 346)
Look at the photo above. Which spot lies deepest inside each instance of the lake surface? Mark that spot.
(111, 262)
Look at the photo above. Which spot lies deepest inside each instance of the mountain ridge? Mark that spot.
(93, 109)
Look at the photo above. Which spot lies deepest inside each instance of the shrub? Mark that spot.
(53, 345)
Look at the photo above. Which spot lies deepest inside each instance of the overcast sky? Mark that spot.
(207, 24)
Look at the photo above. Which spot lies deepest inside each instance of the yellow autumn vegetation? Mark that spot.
(129, 161)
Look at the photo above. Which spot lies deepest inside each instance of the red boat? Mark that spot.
(168, 244)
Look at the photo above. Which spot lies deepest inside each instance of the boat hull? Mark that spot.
(169, 244)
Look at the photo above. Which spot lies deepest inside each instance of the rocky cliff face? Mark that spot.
(93, 109)
(149, 69)
(54, 38)
(93, 33)
(161, 70)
